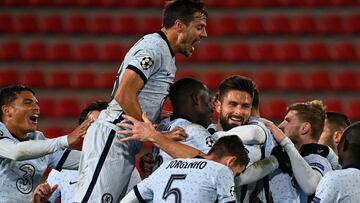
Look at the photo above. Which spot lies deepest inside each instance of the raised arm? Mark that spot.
(144, 131)
(249, 134)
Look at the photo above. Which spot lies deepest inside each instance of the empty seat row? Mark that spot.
(58, 78)
(160, 3)
(289, 80)
(292, 51)
(222, 25)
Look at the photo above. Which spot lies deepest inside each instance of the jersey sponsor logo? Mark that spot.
(25, 183)
(186, 165)
(209, 141)
(107, 198)
(316, 200)
(146, 62)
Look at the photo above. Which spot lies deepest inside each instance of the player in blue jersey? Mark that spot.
(343, 185)
(25, 154)
(141, 85)
(335, 123)
(195, 180)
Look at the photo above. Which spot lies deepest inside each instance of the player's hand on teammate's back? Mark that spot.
(138, 130)
(78, 134)
(146, 164)
(279, 135)
(42, 193)
(177, 134)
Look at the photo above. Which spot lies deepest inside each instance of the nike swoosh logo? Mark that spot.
(71, 183)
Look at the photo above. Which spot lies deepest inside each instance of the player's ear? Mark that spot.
(217, 103)
(195, 98)
(230, 161)
(6, 110)
(179, 25)
(337, 136)
(305, 127)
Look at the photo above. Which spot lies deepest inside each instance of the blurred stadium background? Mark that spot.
(69, 51)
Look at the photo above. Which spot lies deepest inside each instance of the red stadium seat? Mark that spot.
(239, 72)
(40, 3)
(266, 80)
(252, 25)
(264, 52)
(228, 24)
(8, 77)
(278, 25)
(352, 24)
(211, 52)
(47, 107)
(36, 51)
(84, 79)
(347, 80)
(86, 51)
(187, 74)
(33, 78)
(106, 79)
(67, 107)
(150, 24)
(112, 52)
(238, 52)
(304, 25)
(59, 79)
(77, 24)
(343, 51)
(319, 80)
(126, 25)
(212, 79)
(266, 3)
(292, 80)
(352, 109)
(53, 131)
(273, 109)
(316, 51)
(331, 24)
(11, 51)
(52, 24)
(26, 23)
(139, 3)
(344, 2)
(101, 24)
(6, 23)
(317, 3)
(290, 52)
(60, 51)
(15, 3)
(333, 105)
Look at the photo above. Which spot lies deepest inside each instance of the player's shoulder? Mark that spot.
(36, 135)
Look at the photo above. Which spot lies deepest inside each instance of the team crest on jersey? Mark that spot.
(147, 62)
(232, 191)
(107, 198)
(209, 141)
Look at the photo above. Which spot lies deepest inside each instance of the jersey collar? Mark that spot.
(162, 34)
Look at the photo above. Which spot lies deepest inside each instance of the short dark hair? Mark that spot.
(351, 140)
(182, 88)
(230, 146)
(95, 106)
(312, 112)
(236, 82)
(8, 95)
(256, 99)
(337, 121)
(183, 10)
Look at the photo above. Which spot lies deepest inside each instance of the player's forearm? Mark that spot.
(306, 177)
(249, 134)
(173, 148)
(31, 149)
(257, 171)
(130, 105)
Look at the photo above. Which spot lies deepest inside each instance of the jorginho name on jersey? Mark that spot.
(197, 137)
(188, 181)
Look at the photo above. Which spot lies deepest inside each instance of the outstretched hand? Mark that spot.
(138, 130)
(78, 134)
(42, 193)
(279, 135)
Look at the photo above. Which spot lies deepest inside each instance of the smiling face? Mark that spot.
(234, 109)
(191, 34)
(21, 116)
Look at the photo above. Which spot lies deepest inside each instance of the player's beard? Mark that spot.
(225, 124)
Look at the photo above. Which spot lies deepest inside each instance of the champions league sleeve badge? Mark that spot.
(146, 62)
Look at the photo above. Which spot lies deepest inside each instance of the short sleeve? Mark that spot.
(143, 190)
(318, 163)
(144, 63)
(326, 190)
(225, 186)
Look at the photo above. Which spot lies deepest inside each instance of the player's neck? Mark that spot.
(171, 37)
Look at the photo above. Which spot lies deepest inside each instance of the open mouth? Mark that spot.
(193, 44)
(34, 118)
